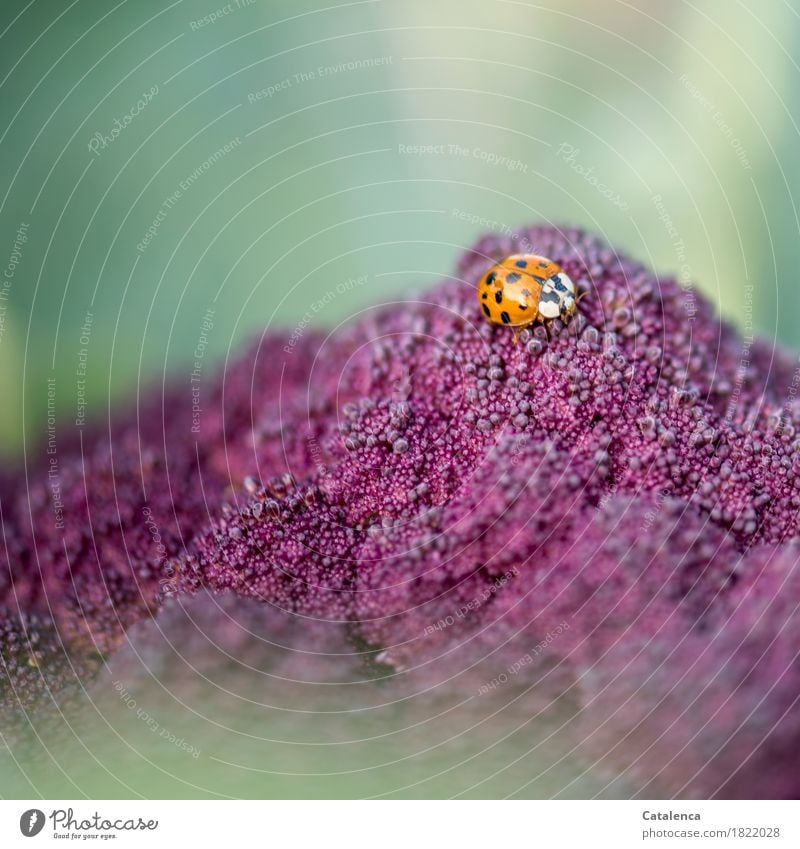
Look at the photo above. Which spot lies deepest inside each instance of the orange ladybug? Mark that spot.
(524, 288)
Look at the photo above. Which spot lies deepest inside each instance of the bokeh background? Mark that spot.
(185, 174)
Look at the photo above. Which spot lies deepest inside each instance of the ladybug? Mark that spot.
(524, 288)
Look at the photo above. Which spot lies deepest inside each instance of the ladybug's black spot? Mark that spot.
(523, 306)
(513, 277)
(526, 293)
(521, 263)
(498, 296)
(486, 311)
(485, 295)
(542, 264)
(506, 318)
(490, 278)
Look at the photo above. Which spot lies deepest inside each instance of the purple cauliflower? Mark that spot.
(606, 509)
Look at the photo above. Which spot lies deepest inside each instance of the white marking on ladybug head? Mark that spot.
(549, 308)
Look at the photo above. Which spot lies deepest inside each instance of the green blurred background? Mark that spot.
(277, 149)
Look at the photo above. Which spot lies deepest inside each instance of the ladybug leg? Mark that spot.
(517, 331)
(582, 296)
